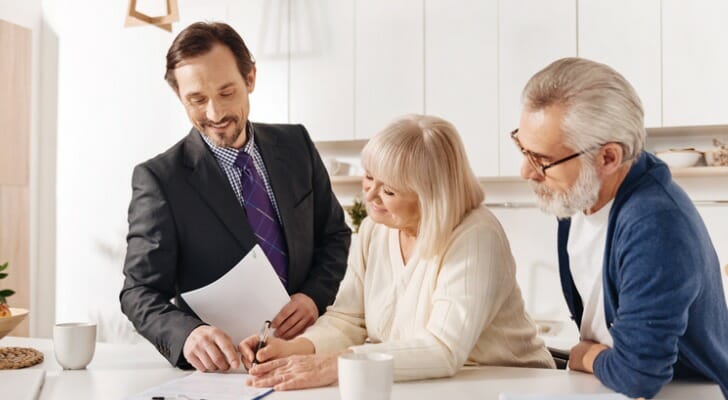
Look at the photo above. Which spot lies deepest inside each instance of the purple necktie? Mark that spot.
(262, 216)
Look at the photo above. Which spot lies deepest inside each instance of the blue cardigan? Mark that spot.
(663, 297)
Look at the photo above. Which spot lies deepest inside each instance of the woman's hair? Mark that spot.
(424, 154)
(601, 106)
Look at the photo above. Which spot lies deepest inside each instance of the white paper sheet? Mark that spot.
(22, 384)
(596, 396)
(201, 385)
(242, 300)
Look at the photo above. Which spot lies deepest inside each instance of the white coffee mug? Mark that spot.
(365, 376)
(74, 344)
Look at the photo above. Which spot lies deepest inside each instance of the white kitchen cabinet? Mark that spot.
(263, 25)
(625, 35)
(461, 74)
(389, 62)
(695, 62)
(322, 67)
(533, 33)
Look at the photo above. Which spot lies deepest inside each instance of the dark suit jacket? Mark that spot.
(187, 229)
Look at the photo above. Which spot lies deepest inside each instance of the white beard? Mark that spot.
(582, 195)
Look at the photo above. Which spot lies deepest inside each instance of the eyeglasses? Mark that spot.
(536, 160)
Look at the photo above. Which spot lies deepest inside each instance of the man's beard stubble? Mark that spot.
(582, 195)
(222, 141)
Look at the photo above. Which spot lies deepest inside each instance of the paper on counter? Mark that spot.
(595, 396)
(203, 385)
(242, 299)
(22, 384)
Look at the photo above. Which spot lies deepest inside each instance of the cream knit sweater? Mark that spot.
(433, 315)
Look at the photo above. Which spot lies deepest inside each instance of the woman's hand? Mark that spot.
(296, 372)
(274, 349)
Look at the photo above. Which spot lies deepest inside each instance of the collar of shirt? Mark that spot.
(228, 155)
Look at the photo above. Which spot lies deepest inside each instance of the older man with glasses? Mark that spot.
(638, 269)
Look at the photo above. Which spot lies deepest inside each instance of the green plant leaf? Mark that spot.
(2, 275)
(6, 293)
(3, 266)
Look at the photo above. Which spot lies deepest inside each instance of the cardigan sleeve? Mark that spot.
(343, 325)
(476, 274)
(656, 286)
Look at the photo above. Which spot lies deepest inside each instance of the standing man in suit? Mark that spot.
(199, 207)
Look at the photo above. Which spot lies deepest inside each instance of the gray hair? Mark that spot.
(600, 105)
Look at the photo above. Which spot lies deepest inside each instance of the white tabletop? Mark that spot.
(118, 371)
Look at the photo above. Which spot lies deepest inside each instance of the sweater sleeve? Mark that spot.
(473, 282)
(343, 325)
(656, 287)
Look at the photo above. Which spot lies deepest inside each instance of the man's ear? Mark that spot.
(250, 80)
(610, 158)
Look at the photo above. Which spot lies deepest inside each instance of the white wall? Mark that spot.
(114, 111)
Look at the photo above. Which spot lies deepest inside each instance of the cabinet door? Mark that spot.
(625, 35)
(322, 67)
(461, 74)
(695, 61)
(533, 33)
(389, 63)
(263, 25)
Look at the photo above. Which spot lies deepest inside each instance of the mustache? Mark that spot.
(225, 119)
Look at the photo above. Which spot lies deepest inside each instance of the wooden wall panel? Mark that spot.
(14, 247)
(15, 59)
(15, 67)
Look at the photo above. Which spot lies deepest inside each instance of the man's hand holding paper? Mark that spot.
(209, 349)
(295, 317)
(234, 306)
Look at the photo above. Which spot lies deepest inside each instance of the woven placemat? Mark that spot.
(19, 357)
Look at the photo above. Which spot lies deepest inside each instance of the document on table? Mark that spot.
(22, 384)
(242, 299)
(205, 385)
(532, 396)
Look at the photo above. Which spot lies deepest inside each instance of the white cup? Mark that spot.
(365, 376)
(74, 344)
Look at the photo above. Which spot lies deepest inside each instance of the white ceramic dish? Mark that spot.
(680, 158)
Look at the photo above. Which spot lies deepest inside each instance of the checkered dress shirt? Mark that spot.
(226, 156)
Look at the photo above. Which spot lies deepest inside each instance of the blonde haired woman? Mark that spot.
(431, 279)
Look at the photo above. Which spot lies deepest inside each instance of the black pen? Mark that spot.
(262, 338)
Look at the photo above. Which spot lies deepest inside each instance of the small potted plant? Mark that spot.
(357, 212)
(4, 294)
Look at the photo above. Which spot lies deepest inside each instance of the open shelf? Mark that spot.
(346, 180)
(676, 172)
(688, 131)
(699, 171)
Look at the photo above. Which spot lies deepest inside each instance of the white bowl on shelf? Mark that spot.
(680, 158)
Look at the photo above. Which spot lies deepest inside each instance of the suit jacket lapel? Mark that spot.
(213, 186)
(286, 190)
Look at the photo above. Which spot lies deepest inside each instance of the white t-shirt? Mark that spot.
(587, 239)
